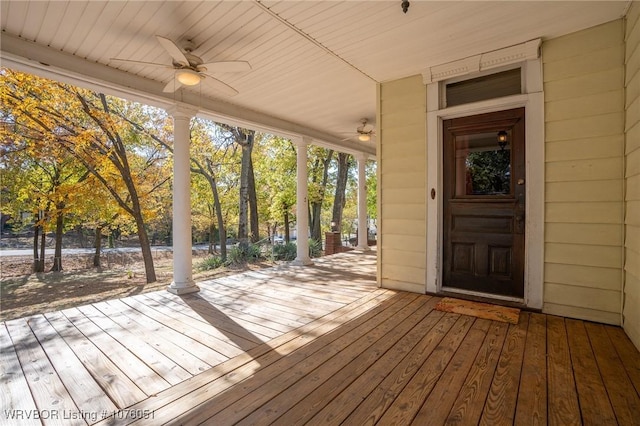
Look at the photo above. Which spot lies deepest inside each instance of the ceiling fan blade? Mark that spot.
(173, 50)
(172, 86)
(226, 66)
(150, 64)
(220, 86)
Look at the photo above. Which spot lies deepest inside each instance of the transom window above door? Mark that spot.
(491, 86)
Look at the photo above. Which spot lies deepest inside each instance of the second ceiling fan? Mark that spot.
(363, 132)
(191, 69)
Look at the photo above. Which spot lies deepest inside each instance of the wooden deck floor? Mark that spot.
(310, 345)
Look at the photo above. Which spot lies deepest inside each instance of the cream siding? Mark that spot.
(584, 180)
(592, 176)
(402, 159)
(631, 308)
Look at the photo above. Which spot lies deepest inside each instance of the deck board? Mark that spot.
(84, 391)
(48, 390)
(628, 354)
(328, 380)
(113, 381)
(618, 385)
(332, 400)
(137, 370)
(532, 399)
(236, 403)
(468, 407)
(167, 405)
(404, 408)
(436, 407)
(592, 394)
(500, 406)
(14, 390)
(562, 408)
(180, 354)
(378, 401)
(312, 345)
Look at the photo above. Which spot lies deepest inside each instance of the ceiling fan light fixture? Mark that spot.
(364, 137)
(188, 77)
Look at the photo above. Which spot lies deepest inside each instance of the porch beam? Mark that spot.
(27, 56)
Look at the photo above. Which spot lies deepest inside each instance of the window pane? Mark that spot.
(483, 167)
(491, 86)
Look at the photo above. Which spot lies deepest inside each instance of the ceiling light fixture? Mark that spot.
(364, 137)
(188, 77)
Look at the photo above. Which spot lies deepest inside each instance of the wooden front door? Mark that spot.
(484, 203)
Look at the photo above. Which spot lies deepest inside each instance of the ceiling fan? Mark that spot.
(363, 132)
(191, 70)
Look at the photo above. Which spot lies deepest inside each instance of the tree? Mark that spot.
(248, 228)
(372, 191)
(46, 182)
(319, 171)
(89, 126)
(339, 200)
(276, 176)
(210, 149)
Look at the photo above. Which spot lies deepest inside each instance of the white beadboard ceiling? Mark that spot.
(315, 64)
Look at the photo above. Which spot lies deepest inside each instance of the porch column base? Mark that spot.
(301, 262)
(183, 288)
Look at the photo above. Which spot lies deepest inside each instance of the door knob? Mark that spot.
(520, 181)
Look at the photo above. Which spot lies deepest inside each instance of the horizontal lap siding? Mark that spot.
(631, 309)
(402, 159)
(584, 178)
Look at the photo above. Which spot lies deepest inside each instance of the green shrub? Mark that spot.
(285, 252)
(243, 253)
(212, 262)
(315, 248)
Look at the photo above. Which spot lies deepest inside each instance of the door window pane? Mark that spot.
(482, 166)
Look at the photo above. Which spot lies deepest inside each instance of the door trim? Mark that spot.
(533, 102)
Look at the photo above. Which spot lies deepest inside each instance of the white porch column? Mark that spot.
(302, 209)
(363, 235)
(182, 267)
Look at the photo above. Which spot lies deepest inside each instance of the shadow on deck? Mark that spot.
(319, 344)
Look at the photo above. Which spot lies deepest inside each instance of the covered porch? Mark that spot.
(311, 344)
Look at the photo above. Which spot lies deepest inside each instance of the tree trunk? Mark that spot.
(253, 203)
(211, 178)
(212, 243)
(316, 206)
(316, 226)
(98, 247)
(82, 240)
(57, 256)
(43, 242)
(222, 231)
(36, 254)
(341, 187)
(147, 256)
(287, 237)
(243, 216)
